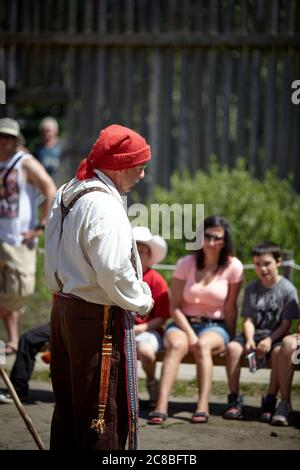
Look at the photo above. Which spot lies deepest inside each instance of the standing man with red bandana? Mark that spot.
(93, 266)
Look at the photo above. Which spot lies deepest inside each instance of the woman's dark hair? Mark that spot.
(228, 248)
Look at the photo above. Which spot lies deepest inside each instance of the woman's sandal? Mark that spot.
(156, 417)
(200, 417)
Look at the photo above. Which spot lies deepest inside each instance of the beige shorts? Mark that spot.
(17, 274)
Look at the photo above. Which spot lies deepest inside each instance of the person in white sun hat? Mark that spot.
(152, 250)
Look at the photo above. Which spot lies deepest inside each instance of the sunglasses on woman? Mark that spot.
(213, 238)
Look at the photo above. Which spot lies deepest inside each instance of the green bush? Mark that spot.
(257, 209)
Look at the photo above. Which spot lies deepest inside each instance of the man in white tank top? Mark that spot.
(21, 175)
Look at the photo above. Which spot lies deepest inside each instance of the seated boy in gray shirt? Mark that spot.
(270, 304)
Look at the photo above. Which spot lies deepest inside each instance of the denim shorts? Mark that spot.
(207, 327)
(257, 338)
(150, 338)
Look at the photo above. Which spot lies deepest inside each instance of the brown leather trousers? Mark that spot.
(76, 338)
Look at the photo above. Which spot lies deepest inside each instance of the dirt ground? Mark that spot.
(176, 434)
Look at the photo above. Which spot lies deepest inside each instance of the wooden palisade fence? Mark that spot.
(197, 77)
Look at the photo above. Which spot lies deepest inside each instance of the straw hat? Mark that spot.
(10, 127)
(157, 244)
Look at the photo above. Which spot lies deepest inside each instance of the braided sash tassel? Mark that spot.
(132, 383)
(98, 424)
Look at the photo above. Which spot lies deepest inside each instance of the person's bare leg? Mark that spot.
(176, 346)
(11, 322)
(282, 415)
(233, 356)
(147, 356)
(207, 344)
(274, 382)
(285, 366)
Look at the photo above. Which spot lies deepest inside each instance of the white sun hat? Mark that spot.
(157, 244)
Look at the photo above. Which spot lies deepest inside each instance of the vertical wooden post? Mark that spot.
(288, 271)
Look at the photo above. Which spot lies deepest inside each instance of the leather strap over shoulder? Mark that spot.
(66, 209)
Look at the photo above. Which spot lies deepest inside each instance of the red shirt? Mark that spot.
(160, 294)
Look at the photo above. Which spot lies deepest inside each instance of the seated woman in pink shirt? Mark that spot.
(204, 292)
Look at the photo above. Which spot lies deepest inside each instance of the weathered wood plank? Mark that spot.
(100, 92)
(274, 17)
(143, 90)
(72, 26)
(283, 154)
(270, 122)
(154, 115)
(183, 150)
(227, 71)
(36, 96)
(255, 107)
(153, 40)
(167, 119)
(242, 93)
(212, 107)
(198, 155)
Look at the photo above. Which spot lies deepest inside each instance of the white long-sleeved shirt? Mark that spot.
(93, 256)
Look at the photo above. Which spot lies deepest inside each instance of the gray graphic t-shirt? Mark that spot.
(269, 306)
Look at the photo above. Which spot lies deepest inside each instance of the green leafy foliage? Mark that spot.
(257, 209)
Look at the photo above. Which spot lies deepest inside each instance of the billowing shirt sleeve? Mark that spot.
(109, 246)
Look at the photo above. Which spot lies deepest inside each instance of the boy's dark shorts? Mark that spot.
(257, 338)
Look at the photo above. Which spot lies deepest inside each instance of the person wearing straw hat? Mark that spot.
(149, 333)
(92, 264)
(21, 175)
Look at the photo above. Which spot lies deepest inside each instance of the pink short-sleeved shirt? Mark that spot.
(206, 300)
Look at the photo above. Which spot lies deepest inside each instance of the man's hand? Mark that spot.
(144, 315)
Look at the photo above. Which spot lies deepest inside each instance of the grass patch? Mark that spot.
(42, 375)
(183, 388)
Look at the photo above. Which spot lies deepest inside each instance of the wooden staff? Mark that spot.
(21, 410)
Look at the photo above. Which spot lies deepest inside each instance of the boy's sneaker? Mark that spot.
(234, 409)
(5, 398)
(268, 407)
(153, 389)
(282, 415)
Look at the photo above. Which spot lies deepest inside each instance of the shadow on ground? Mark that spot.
(36, 396)
(40, 396)
(251, 413)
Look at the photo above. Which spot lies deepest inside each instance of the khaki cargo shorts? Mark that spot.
(17, 274)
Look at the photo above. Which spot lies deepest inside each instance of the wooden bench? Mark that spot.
(219, 360)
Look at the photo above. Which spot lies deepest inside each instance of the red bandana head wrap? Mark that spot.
(116, 148)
